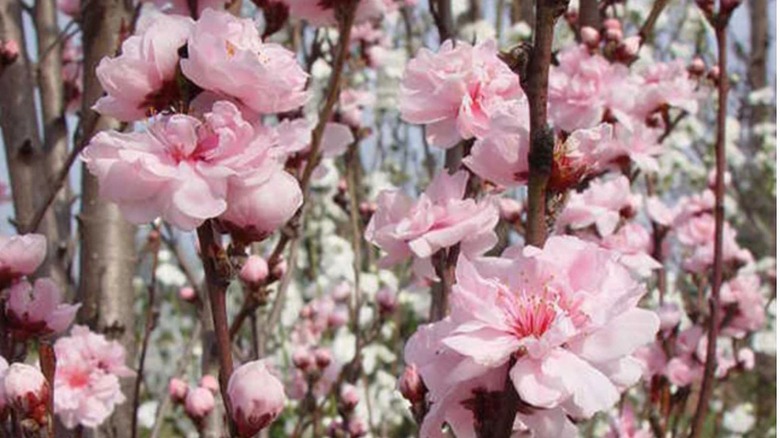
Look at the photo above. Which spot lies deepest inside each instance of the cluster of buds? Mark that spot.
(199, 401)
(350, 424)
(616, 47)
(341, 198)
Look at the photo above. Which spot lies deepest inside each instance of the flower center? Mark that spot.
(528, 315)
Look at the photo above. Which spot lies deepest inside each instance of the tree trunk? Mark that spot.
(107, 240)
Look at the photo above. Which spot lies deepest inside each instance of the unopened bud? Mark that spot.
(697, 67)
(199, 404)
(510, 210)
(209, 382)
(322, 358)
(349, 397)
(177, 390)
(302, 358)
(590, 36)
(27, 392)
(187, 294)
(387, 301)
(254, 272)
(411, 385)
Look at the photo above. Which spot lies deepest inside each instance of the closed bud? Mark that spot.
(256, 396)
(612, 23)
(387, 301)
(349, 396)
(322, 358)
(279, 268)
(697, 67)
(177, 390)
(357, 428)
(302, 358)
(9, 52)
(27, 392)
(254, 272)
(630, 47)
(411, 385)
(615, 35)
(337, 318)
(198, 404)
(590, 36)
(510, 210)
(187, 294)
(209, 382)
(669, 314)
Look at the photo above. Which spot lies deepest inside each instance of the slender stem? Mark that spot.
(218, 271)
(148, 328)
(646, 31)
(540, 157)
(708, 382)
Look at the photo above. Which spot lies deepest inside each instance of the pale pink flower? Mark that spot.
(27, 391)
(227, 56)
(142, 79)
(184, 171)
(86, 385)
(501, 154)
(635, 244)
(583, 87)
(567, 314)
(698, 234)
(352, 103)
(743, 303)
(638, 144)
(681, 372)
(439, 218)
(670, 316)
(601, 205)
(256, 396)
(322, 13)
(35, 310)
(453, 91)
(20, 255)
(665, 84)
(294, 136)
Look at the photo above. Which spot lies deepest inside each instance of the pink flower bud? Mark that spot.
(257, 397)
(612, 23)
(714, 73)
(35, 310)
(337, 318)
(510, 209)
(187, 294)
(27, 391)
(322, 358)
(357, 428)
(177, 390)
(279, 268)
(386, 300)
(411, 385)
(630, 46)
(199, 404)
(342, 186)
(349, 396)
(697, 67)
(670, 316)
(302, 358)
(614, 34)
(306, 312)
(209, 382)
(746, 358)
(255, 271)
(589, 36)
(341, 292)
(9, 52)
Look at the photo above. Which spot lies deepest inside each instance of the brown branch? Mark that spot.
(720, 23)
(646, 31)
(218, 272)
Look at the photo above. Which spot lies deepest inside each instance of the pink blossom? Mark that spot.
(322, 13)
(209, 382)
(27, 391)
(601, 205)
(743, 303)
(681, 372)
(439, 219)
(634, 242)
(670, 316)
(20, 255)
(665, 84)
(256, 396)
(583, 86)
(295, 137)
(626, 427)
(227, 56)
(567, 314)
(349, 396)
(352, 103)
(185, 171)
(410, 384)
(501, 154)
(142, 80)
(86, 385)
(698, 234)
(38, 310)
(199, 403)
(453, 91)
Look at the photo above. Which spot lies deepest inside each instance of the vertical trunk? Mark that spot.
(523, 10)
(759, 45)
(589, 14)
(56, 223)
(18, 119)
(107, 247)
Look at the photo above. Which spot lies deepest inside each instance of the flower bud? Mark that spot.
(590, 36)
(697, 67)
(411, 385)
(9, 52)
(302, 358)
(177, 390)
(209, 382)
(387, 301)
(629, 48)
(349, 396)
(254, 272)
(510, 209)
(27, 391)
(337, 318)
(322, 358)
(187, 294)
(357, 428)
(612, 23)
(198, 404)
(670, 316)
(279, 268)
(256, 396)
(341, 292)
(614, 34)
(746, 358)
(714, 74)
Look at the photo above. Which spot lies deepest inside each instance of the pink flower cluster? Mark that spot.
(561, 322)
(440, 218)
(86, 385)
(31, 309)
(199, 401)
